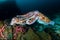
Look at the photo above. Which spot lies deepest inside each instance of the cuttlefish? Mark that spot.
(30, 18)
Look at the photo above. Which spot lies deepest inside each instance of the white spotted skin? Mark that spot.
(12, 21)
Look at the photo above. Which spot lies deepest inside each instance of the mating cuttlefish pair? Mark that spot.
(30, 18)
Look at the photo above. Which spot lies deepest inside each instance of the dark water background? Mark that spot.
(12, 8)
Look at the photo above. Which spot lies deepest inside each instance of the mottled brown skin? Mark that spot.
(44, 18)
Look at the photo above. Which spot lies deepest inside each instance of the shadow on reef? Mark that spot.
(54, 36)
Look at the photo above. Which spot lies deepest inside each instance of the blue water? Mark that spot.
(2, 1)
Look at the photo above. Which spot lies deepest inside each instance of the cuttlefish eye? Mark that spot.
(31, 20)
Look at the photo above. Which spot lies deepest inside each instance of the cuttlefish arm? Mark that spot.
(16, 20)
(13, 21)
